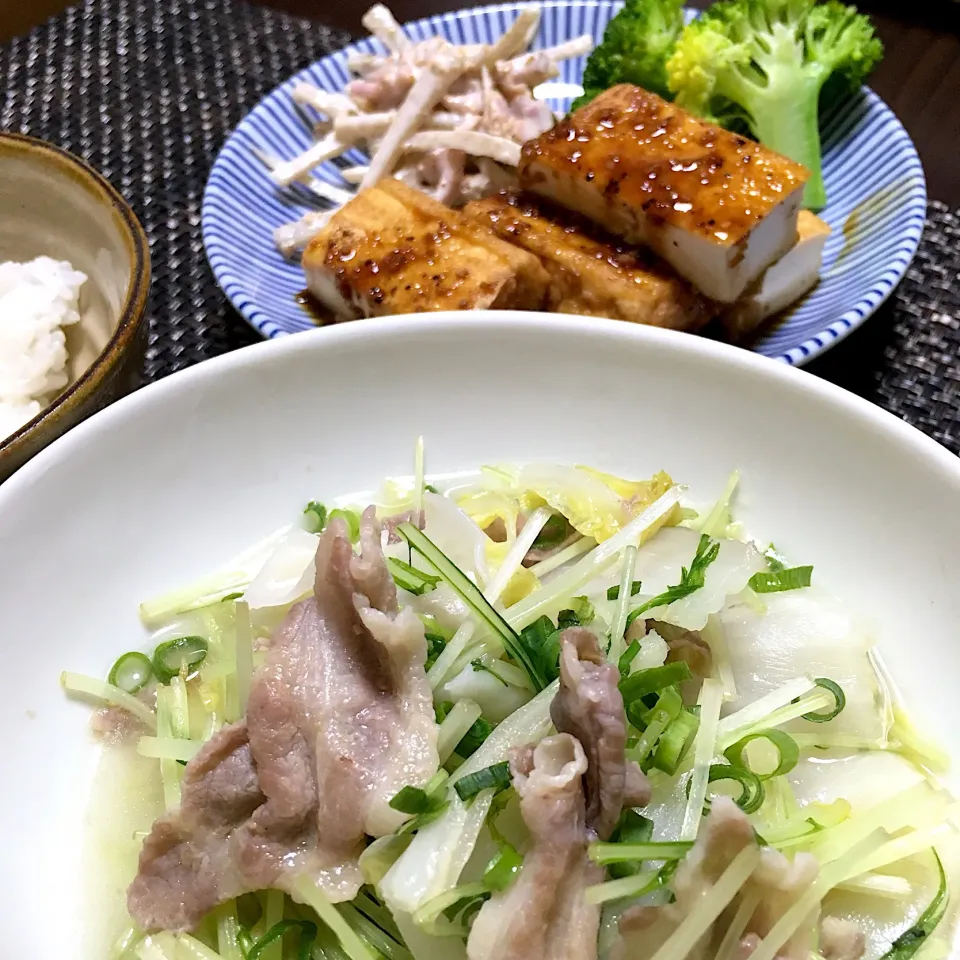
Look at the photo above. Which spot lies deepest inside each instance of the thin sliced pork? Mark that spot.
(339, 718)
(589, 706)
(544, 913)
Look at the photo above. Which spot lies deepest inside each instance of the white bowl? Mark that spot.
(172, 480)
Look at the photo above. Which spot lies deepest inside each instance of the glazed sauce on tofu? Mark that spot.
(318, 312)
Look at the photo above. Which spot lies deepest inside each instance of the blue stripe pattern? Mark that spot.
(875, 185)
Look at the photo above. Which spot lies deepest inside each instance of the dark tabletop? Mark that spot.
(148, 90)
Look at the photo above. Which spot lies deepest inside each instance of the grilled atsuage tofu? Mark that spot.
(717, 207)
(591, 272)
(393, 249)
(783, 282)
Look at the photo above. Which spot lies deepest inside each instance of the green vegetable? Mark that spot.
(788, 753)
(496, 776)
(690, 580)
(765, 63)
(411, 579)
(669, 701)
(634, 828)
(909, 942)
(635, 48)
(351, 518)
(553, 533)
(676, 741)
(653, 680)
(774, 561)
(613, 593)
(831, 687)
(315, 516)
(474, 737)
(131, 673)
(435, 645)
(175, 655)
(627, 658)
(789, 578)
(503, 868)
(607, 853)
(752, 792)
(541, 641)
(412, 800)
(470, 595)
(308, 934)
(583, 610)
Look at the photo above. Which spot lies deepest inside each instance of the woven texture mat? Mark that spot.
(147, 91)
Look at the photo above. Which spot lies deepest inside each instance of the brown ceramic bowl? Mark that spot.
(52, 204)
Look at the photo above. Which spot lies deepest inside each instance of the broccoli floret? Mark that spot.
(635, 48)
(765, 62)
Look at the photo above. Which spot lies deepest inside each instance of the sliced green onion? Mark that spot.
(351, 518)
(308, 934)
(633, 828)
(669, 702)
(751, 789)
(315, 516)
(607, 853)
(789, 578)
(909, 942)
(172, 656)
(613, 593)
(840, 697)
(583, 610)
(411, 579)
(788, 753)
(496, 776)
(653, 680)
(627, 658)
(472, 596)
(412, 800)
(502, 868)
(676, 741)
(131, 673)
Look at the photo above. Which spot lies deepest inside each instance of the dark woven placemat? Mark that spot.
(147, 91)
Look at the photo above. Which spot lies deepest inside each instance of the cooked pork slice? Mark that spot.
(717, 207)
(723, 835)
(393, 249)
(841, 940)
(339, 718)
(592, 272)
(589, 706)
(544, 913)
(783, 282)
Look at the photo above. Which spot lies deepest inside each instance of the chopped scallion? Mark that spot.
(315, 516)
(411, 800)
(131, 673)
(627, 658)
(839, 696)
(675, 741)
(351, 518)
(653, 680)
(751, 789)
(174, 655)
(496, 776)
(789, 578)
(788, 753)
(503, 868)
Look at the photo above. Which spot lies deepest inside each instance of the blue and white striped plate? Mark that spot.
(875, 186)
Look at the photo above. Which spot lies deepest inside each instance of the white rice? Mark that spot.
(37, 299)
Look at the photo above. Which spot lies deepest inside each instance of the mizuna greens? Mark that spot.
(752, 708)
